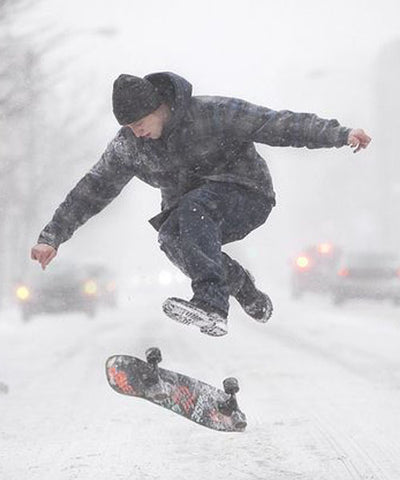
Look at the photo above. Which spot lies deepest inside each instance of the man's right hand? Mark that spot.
(43, 253)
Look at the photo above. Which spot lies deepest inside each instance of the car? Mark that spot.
(368, 275)
(155, 279)
(104, 282)
(61, 289)
(157, 282)
(314, 269)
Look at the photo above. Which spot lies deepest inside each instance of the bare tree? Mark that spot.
(33, 147)
(12, 108)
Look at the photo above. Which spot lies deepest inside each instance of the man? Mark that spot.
(215, 187)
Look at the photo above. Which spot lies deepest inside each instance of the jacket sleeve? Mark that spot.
(92, 193)
(283, 128)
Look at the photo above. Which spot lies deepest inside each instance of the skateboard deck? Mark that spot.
(184, 395)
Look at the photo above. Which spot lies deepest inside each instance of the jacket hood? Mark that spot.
(175, 91)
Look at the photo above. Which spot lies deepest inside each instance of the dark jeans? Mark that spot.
(205, 219)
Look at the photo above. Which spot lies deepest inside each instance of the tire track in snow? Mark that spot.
(290, 337)
(356, 460)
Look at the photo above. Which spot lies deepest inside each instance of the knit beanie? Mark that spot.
(133, 98)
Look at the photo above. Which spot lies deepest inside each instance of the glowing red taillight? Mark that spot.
(302, 262)
(343, 272)
(324, 248)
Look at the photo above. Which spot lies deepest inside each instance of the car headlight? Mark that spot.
(302, 262)
(90, 288)
(23, 293)
(324, 248)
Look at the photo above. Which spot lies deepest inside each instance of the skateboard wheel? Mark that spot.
(239, 420)
(231, 385)
(153, 355)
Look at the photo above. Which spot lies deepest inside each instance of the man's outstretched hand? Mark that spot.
(358, 139)
(43, 253)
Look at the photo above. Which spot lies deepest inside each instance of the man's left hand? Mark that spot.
(358, 139)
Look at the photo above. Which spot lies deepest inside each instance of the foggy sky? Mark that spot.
(305, 56)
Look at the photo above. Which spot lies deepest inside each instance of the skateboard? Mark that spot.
(193, 399)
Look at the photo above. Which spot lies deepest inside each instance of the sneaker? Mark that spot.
(255, 303)
(218, 328)
(209, 320)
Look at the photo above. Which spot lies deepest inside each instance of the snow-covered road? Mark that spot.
(320, 387)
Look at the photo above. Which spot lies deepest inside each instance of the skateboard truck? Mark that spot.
(230, 407)
(151, 377)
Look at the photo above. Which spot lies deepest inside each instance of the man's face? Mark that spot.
(150, 126)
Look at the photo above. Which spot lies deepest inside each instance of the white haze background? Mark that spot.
(320, 385)
(304, 56)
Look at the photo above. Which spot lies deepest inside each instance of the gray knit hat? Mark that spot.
(133, 98)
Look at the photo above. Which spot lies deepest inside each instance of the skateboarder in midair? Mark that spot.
(215, 187)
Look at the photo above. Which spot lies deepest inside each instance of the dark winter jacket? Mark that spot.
(206, 139)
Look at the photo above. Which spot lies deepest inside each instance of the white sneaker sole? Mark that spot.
(218, 329)
(188, 314)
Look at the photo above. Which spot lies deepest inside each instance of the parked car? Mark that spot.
(368, 275)
(314, 269)
(61, 289)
